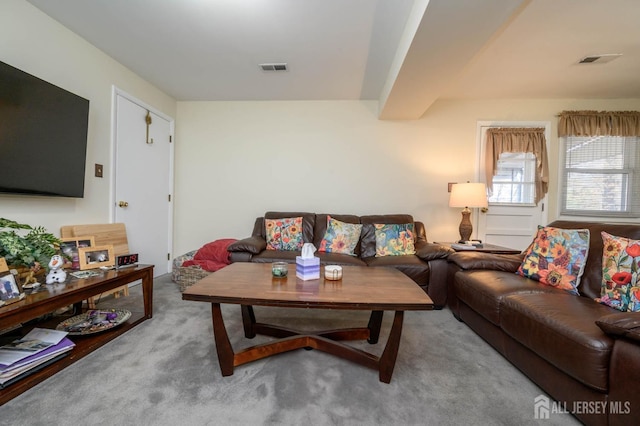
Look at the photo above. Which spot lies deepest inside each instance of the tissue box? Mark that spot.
(308, 268)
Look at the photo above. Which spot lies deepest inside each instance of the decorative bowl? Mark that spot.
(279, 269)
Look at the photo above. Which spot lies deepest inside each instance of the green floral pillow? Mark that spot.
(340, 237)
(284, 234)
(394, 239)
(620, 286)
(557, 257)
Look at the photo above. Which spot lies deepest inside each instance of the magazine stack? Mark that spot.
(39, 348)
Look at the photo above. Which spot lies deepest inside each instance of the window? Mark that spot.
(514, 181)
(601, 176)
(516, 160)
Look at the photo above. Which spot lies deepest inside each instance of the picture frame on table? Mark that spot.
(96, 257)
(10, 288)
(70, 246)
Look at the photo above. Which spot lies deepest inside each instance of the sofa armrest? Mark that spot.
(253, 245)
(491, 261)
(623, 324)
(431, 251)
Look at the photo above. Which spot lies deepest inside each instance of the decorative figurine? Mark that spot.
(56, 273)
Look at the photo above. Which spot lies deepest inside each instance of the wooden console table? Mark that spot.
(73, 293)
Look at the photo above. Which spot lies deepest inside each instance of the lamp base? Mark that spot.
(465, 227)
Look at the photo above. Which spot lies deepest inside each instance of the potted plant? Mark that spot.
(25, 246)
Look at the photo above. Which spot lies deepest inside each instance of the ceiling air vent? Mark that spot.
(600, 59)
(274, 67)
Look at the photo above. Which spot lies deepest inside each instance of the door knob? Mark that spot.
(123, 204)
(484, 209)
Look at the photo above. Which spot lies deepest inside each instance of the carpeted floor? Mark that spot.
(165, 372)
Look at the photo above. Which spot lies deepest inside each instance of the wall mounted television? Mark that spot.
(43, 136)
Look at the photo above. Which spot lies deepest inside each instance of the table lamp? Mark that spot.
(467, 195)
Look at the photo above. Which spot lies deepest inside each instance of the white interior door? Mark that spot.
(143, 175)
(512, 218)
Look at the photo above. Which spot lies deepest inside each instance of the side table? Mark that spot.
(486, 248)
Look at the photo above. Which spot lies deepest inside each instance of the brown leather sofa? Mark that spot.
(585, 355)
(428, 267)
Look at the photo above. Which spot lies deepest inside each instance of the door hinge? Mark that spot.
(542, 207)
(170, 138)
(168, 256)
(169, 197)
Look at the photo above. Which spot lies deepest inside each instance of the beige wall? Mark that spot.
(236, 160)
(35, 43)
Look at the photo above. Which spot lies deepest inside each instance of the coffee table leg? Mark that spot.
(248, 321)
(375, 323)
(388, 358)
(223, 345)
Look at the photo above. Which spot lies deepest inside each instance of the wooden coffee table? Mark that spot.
(372, 289)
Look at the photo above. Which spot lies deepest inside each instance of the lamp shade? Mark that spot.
(468, 195)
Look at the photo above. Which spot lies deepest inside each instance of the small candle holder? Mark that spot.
(333, 272)
(279, 269)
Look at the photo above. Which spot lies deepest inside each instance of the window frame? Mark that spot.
(633, 170)
(528, 185)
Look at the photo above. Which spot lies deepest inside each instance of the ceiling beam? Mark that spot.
(441, 37)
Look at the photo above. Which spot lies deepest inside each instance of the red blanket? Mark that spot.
(212, 256)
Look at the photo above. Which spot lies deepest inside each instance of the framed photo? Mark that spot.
(96, 257)
(10, 289)
(69, 248)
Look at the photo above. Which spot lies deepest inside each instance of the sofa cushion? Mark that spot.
(340, 237)
(368, 238)
(557, 257)
(483, 290)
(620, 258)
(284, 233)
(621, 325)
(410, 265)
(339, 259)
(268, 256)
(394, 239)
(561, 329)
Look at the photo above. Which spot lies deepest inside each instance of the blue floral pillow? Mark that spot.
(557, 257)
(395, 239)
(340, 237)
(284, 234)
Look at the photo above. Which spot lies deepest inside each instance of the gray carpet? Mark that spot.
(165, 372)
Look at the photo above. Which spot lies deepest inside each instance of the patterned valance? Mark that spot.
(599, 123)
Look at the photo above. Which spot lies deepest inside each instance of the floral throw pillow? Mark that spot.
(284, 234)
(394, 239)
(557, 257)
(620, 287)
(340, 237)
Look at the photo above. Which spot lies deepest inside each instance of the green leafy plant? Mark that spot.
(24, 245)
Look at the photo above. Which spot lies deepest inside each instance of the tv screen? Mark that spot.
(43, 136)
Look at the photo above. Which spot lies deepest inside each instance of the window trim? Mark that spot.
(622, 217)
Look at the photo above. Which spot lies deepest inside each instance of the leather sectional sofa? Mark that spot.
(584, 354)
(428, 267)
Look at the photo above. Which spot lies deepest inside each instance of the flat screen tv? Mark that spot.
(43, 136)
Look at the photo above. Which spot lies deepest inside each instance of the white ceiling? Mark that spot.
(405, 53)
